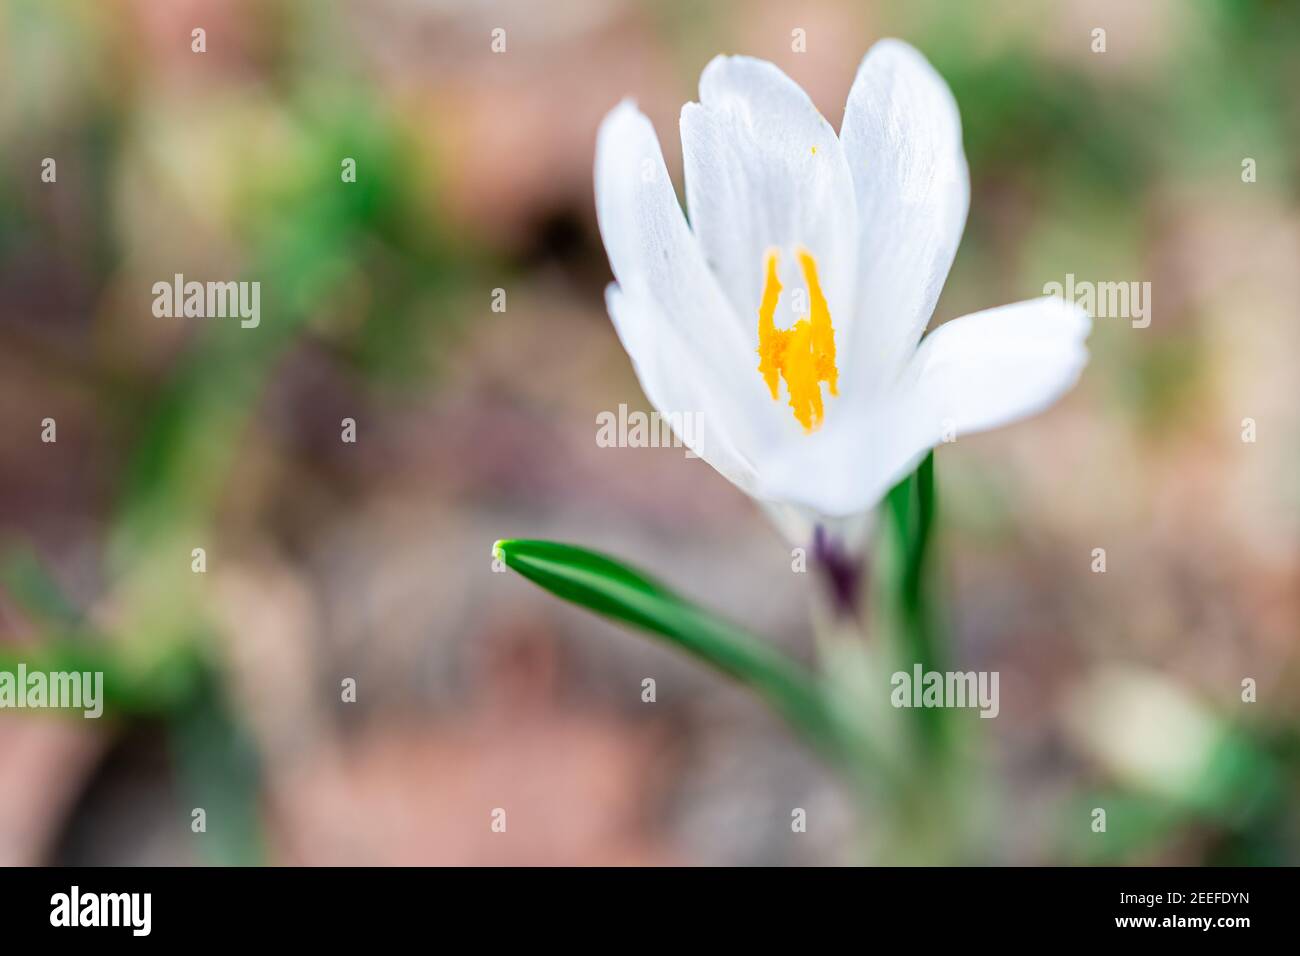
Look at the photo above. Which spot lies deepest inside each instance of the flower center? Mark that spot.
(804, 354)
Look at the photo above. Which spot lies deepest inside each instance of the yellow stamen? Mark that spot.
(804, 354)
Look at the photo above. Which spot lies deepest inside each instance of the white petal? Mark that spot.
(842, 472)
(764, 169)
(971, 374)
(998, 366)
(902, 139)
(672, 318)
(677, 382)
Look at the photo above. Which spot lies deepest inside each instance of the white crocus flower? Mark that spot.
(788, 314)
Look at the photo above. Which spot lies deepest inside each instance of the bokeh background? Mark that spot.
(372, 561)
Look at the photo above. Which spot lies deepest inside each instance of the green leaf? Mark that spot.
(911, 510)
(911, 506)
(615, 590)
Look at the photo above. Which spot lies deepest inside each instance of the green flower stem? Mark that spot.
(911, 507)
(933, 818)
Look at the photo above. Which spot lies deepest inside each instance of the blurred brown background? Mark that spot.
(371, 560)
